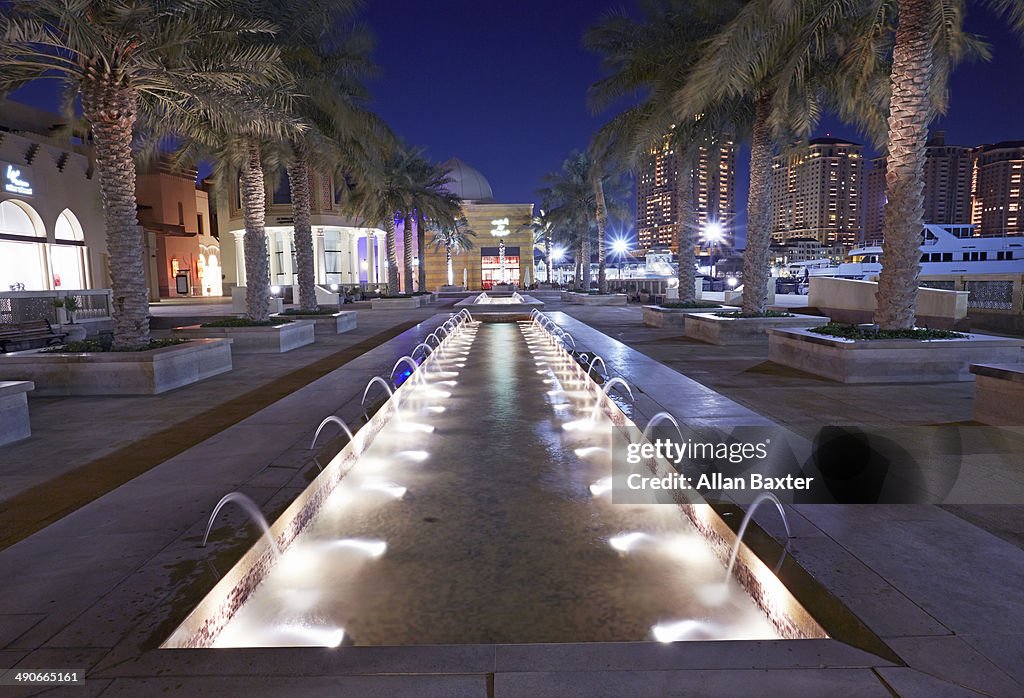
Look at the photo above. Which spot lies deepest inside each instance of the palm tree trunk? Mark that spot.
(686, 231)
(421, 250)
(585, 260)
(756, 259)
(257, 259)
(601, 214)
(909, 116)
(389, 239)
(547, 254)
(407, 245)
(111, 110)
(448, 260)
(298, 179)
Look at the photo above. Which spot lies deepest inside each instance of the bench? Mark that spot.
(28, 332)
(999, 394)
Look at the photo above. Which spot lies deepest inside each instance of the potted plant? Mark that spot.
(73, 332)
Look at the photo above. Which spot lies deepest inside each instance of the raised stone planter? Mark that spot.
(119, 372)
(338, 323)
(395, 303)
(999, 394)
(656, 316)
(274, 339)
(708, 327)
(239, 307)
(594, 299)
(889, 360)
(14, 422)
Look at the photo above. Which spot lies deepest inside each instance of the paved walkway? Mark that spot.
(101, 587)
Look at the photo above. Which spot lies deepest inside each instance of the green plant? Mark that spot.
(70, 306)
(690, 304)
(741, 314)
(105, 344)
(873, 332)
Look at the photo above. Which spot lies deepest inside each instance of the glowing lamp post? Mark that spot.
(620, 247)
(712, 234)
(557, 255)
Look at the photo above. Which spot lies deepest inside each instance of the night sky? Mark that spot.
(503, 85)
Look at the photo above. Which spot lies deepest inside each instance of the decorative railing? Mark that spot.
(26, 306)
(990, 295)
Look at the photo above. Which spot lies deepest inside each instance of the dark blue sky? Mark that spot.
(503, 85)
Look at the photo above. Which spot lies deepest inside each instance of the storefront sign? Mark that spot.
(499, 227)
(16, 180)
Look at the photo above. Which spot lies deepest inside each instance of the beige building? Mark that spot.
(714, 192)
(947, 187)
(52, 233)
(494, 223)
(996, 201)
(816, 193)
(183, 256)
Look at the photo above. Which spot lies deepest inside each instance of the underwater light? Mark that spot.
(627, 541)
(373, 548)
(600, 487)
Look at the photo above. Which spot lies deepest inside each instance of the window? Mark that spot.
(22, 248)
(199, 221)
(181, 214)
(68, 253)
(283, 191)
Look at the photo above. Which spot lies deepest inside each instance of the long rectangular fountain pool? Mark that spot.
(466, 512)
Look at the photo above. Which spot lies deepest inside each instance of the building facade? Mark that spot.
(499, 228)
(947, 187)
(183, 253)
(52, 232)
(817, 192)
(996, 189)
(347, 252)
(714, 192)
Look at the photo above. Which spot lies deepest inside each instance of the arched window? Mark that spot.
(68, 255)
(22, 248)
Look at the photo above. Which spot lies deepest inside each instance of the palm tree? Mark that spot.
(785, 78)
(571, 201)
(927, 45)
(429, 200)
(384, 193)
(454, 237)
(652, 56)
(543, 234)
(329, 55)
(152, 60)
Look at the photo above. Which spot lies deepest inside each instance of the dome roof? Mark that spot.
(467, 182)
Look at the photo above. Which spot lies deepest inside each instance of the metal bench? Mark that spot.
(29, 331)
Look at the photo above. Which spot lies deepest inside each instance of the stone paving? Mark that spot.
(100, 587)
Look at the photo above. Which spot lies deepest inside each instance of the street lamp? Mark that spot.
(557, 255)
(620, 247)
(713, 233)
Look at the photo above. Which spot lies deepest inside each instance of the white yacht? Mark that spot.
(945, 249)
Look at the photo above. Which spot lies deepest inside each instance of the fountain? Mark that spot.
(254, 513)
(427, 349)
(593, 362)
(409, 361)
(369, 384)
(565, 336)
(346, 540)
(658, 419)
(764, 496)
(335, 420)
(608, 385)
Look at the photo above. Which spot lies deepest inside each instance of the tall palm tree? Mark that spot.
(430, 200)
(152, 60)
(571, 200)
(328, 54)
(785, 77)
(384, 194)
(543, 234)
(928, 42)
(455, 238)
(652, 56)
